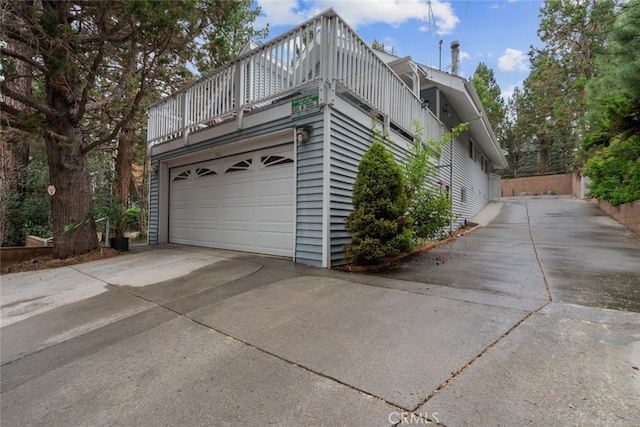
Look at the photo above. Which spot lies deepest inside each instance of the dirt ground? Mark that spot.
(44, 262)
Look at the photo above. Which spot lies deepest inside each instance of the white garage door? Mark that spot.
(243, 202)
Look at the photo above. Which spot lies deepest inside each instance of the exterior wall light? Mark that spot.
(303, 134)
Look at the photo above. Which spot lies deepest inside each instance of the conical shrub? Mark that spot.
(378, 221)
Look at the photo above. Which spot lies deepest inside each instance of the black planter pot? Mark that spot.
(121, 245)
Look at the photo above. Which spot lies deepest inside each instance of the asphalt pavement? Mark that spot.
(531, 319)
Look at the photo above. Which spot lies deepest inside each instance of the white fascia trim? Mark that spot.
(326, 188)
(485, 121)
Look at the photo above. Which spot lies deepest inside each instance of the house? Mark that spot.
(261, 155)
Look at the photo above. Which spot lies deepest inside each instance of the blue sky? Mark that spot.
(498, 33)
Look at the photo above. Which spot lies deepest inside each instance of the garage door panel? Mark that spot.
(275, 215)
(202, 214)
(237, 239)
(273, 243)
(241, 203)
(204, 235)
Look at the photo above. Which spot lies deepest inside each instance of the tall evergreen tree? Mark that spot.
(94, 62)
(613, 98)
(571, 31)
(490, 94)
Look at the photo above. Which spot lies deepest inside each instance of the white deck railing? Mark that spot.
(322, 49)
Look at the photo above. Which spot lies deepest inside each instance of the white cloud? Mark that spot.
(279, 12)
(513, 60)
(361, 12)
(508, 91)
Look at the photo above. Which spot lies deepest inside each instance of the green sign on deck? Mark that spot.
(304, 106)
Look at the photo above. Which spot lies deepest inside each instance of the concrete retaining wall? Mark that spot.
(627, 214)
(536, 185)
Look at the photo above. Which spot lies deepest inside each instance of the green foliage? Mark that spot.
(99, 65)
(229, 28)
(546, 117)
(484, 81)
(429, 210)
(111, 208)
(615, 172)
(378, 223)
(132, 219)
(612, 145)
(29, 212)
(379, 46)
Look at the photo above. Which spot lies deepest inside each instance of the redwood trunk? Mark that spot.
(71, 205)
(544, 160)
(123, 173)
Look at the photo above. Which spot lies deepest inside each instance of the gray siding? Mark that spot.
(154, 204)
(349, 141)
(309, 191)
(467, 172)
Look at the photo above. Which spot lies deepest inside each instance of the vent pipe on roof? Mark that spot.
(455, 57)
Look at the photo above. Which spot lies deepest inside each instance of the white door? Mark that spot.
(242, 202)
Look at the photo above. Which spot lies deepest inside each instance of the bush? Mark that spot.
(378, 223)
(615, 172)
(431, 213)
(132, 219)
(430, 210)
(29, 212)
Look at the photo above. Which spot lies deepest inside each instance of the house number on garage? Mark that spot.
(304, 106)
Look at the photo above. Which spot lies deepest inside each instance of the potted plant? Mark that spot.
(115, 210)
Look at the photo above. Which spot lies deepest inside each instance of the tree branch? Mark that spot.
(19, 57)
(28, 101)
(107, 138)
(91, 76)
(121, 86)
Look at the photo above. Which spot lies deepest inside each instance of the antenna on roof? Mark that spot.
(440, 56)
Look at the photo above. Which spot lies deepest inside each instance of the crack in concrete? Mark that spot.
(535, 250)
(452, 378)
(457, 373)
(264, 351)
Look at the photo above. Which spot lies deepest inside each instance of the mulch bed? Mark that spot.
(44, 262)
(401, 259)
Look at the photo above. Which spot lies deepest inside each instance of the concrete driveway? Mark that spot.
(533, 319)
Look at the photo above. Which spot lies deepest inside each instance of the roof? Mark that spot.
(462, 96)
(465, 100)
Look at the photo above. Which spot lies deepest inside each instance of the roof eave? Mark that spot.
(479, 125)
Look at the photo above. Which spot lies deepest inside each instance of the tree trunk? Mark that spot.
(123, 173)
(544, 159)
(71, 205)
